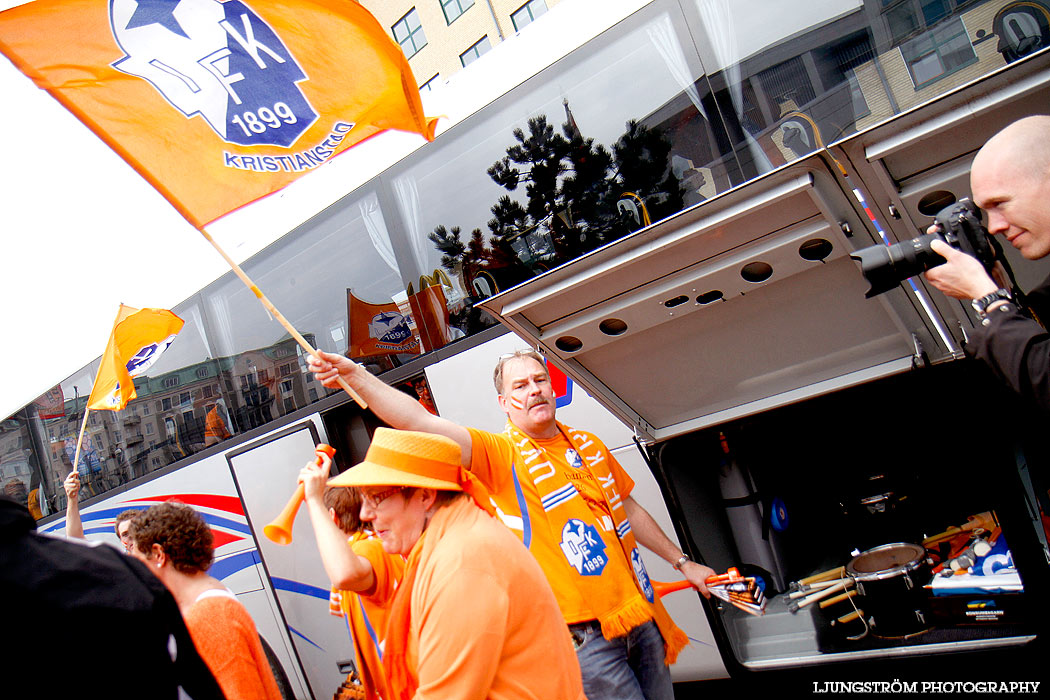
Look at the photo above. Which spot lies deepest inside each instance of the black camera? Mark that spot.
(884, 267)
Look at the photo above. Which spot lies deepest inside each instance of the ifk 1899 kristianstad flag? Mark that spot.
(139, 337)
(218, 103)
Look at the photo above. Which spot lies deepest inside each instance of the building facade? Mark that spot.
(441, 37)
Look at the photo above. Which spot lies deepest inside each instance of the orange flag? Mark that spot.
(218, 103)
(139, 337)
(378, 329)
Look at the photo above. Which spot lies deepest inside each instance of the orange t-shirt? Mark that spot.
(225, 637)
(366, 618)
(580, 596)
(484, 623)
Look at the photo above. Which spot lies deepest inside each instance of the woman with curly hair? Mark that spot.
(176, 544)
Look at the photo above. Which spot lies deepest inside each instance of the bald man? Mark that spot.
(1010, 180)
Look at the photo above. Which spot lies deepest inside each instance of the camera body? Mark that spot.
(884, 267)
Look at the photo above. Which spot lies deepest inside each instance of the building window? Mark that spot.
(184, 398)
(206, 392)
(454, 8)
(149, 429)
(523, 16)
(409, 33)
(286, 386)
(145, 409)
(171, 381)
(938, 52)
(474, 52)
(165, 404)
(202, 372)
(430, 84)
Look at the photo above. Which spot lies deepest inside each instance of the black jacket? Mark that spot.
(79, 618)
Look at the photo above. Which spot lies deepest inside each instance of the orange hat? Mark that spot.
(406, 458)
(409, 458)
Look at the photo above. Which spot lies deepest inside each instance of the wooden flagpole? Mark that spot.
(83, 426)
(270, 307)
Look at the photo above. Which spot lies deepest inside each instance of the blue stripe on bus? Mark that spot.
(284, 584)
(97, 530)
(300, 634)
(562, 401)
(110, 513)
(231, 565)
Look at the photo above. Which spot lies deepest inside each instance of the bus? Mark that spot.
(667, 213)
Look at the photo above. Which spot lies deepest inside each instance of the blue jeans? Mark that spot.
(625, 668)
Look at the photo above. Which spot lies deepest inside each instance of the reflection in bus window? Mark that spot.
(666, 110)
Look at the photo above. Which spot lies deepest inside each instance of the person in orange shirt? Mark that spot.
(175, 543)
(335, 515)
(564, 494)
(473, 617)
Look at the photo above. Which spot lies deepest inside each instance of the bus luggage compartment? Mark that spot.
(796, 426)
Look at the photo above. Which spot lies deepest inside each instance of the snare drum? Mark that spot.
(890, 582)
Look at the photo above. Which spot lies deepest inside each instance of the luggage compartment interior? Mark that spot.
(891, 461)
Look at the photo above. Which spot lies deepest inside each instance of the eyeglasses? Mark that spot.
(372, 500)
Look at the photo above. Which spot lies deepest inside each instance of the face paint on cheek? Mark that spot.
(516, 403)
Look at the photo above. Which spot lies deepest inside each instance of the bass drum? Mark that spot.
(890, 582)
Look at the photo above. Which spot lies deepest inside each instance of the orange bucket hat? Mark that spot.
(410, 458)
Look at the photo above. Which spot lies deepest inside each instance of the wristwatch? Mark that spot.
(681, 561)
(981, 305)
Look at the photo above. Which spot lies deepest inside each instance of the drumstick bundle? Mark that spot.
(743, 592)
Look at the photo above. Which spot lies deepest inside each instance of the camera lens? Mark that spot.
(886, 266)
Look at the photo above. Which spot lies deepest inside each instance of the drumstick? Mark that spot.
(849, 617)
(796, 605)
(837, 599)
(823, 576)
(806, 590)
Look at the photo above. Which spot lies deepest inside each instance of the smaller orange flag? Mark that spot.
(378, 329)
(139, 337)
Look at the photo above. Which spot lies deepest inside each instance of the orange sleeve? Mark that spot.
(387, 569)
(624, 483)
(226, 639)
(491, 458)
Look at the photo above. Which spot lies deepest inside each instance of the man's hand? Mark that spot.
(962, 277)
(328, 367)
(314, 477)
(697, 575)
(72, 486)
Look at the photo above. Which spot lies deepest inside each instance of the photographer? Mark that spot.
(1010, 180)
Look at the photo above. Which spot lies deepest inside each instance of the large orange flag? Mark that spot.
(139, 337)
(218, 103)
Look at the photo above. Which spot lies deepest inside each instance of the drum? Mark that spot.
(890, 582)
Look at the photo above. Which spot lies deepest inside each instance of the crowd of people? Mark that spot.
(467, 564)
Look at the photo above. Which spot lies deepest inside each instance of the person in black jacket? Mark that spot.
(1010, 180)
(88, 621)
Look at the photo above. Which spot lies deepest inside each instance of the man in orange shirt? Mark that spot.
(569, 500)
(473, 618)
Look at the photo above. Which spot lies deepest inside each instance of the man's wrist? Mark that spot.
(991, 301)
